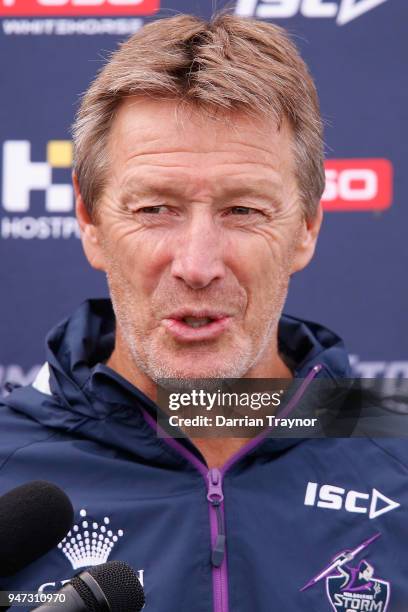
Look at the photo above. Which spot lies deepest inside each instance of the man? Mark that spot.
(198, 176)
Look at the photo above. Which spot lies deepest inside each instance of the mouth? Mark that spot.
(190, 326)
(196, 322)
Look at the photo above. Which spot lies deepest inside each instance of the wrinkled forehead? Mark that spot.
(169, 132)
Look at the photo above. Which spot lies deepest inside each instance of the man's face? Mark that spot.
(198, 230)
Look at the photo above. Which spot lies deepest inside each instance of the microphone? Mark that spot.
(110, 587)
(34, 518)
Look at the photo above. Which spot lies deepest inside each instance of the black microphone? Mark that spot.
(34, 518)
(110, 587)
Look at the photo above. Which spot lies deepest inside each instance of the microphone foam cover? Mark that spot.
(34, 518)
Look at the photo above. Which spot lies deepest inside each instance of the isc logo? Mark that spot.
(358, 184)
(74, 8)
(344, 10)
(336, 498)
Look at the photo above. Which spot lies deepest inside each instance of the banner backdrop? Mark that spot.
(357, 51)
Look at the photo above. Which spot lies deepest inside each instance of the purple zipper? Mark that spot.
(215, 495)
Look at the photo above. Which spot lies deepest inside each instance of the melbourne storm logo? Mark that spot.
(352, 587)
(356, 588)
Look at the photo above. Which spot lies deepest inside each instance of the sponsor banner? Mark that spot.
(21, 176)
(358, 184)
(67, 27)
(75, 8)
(391, 370)
(51, 177)
(343, 11)
(14, 374)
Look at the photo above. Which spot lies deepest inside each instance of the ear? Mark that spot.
(90, 232)
(307, 239)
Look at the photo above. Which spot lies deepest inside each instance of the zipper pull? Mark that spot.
(215, 496)
(215, 493)
(218, 552)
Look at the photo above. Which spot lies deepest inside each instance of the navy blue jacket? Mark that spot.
(288, 506)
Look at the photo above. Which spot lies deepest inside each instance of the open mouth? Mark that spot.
(201, 326)
(197, 321)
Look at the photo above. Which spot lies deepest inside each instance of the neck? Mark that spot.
(215, 451)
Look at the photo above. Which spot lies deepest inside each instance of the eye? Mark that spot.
(153, 210)
(243, 211)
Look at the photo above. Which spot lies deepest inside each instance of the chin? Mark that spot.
(159, 361)
(196, 368)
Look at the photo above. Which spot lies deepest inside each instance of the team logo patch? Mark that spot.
(357, 588)
(352, 585)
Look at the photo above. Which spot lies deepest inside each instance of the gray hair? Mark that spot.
(228, 64)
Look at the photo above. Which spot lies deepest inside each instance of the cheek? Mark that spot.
(139, 258)
(258, 260)
(262, 266)
(153, 257)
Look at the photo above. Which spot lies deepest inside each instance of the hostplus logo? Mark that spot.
(343, 11)
(22, 177)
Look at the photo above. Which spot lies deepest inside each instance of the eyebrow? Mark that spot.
(168, 188)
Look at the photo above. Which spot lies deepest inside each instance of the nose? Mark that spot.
(198, 259)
